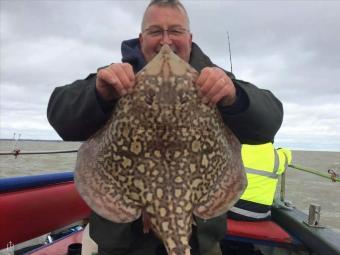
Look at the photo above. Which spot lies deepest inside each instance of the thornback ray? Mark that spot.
(164, 153)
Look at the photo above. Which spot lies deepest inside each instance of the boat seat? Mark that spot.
(265, 231)
(32, 212)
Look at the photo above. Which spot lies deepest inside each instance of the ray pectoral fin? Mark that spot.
(101, 194)
(114, 210)
(223, 195)
(108, 204)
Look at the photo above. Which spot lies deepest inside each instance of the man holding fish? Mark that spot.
(80, 109)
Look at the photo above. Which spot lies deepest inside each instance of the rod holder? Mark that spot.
(314, 216)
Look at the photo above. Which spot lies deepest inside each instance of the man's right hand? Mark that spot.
(115, 81)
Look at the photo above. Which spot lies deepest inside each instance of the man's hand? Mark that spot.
(216, 87)
(115, 81)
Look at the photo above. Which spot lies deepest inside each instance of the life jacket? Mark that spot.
(263, 164)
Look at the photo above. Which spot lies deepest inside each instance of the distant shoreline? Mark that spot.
(29, 140)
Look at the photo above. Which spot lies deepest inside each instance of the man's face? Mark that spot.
(177, 36)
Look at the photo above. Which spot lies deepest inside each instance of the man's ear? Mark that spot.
(140, 38)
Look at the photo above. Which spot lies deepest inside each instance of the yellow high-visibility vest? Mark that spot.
(263, 164)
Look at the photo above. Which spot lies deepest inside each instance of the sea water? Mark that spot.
(302, 188)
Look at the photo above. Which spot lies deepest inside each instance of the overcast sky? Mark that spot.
(289, 47)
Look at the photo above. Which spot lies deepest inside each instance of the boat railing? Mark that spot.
(62, 182)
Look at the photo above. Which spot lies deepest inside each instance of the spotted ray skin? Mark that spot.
(163, 152)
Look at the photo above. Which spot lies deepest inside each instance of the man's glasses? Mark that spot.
(173, 32)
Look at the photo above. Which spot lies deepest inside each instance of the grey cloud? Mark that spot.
(289, 47)
(94, 22)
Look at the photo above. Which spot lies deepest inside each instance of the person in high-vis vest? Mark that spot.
(263, 164)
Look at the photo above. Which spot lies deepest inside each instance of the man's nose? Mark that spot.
(166, 38)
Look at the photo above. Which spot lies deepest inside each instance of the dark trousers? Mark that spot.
(129, 239)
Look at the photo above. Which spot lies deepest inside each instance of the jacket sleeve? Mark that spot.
(260, 116)
(75, 111)
(257, 114)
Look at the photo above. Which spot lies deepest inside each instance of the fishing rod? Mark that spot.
(282, 197)
(331, 173)
(230, 60)
(15, 140)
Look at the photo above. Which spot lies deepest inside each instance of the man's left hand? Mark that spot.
(216, 87)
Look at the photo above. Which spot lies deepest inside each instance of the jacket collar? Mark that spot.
(131, 53)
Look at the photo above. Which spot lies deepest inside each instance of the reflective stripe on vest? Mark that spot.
(272, 175)
(262, 173)
(254, 215)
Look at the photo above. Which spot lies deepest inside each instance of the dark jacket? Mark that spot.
(76, 112)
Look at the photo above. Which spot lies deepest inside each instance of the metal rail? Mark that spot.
(19, 152)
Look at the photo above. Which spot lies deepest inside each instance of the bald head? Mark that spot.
(175, 4)
(165, 22)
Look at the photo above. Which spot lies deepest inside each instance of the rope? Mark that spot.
(18, 152)
(331, 173)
